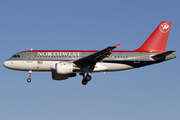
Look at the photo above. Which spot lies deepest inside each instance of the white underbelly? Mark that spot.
(47, 66)
(116, 66)
(25, 66)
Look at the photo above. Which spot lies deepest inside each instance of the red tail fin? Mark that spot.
(157, 40)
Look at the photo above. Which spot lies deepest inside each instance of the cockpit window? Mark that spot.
(15, 56)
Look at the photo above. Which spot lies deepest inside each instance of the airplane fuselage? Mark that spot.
(45, 60)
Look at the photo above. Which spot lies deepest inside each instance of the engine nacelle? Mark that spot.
(56, 76)
(64, 68)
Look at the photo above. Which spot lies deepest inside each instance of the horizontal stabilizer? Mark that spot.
(163, 54)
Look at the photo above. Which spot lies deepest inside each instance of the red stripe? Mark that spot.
(73, 51)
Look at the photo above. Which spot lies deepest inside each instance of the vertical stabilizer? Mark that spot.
(157, 40)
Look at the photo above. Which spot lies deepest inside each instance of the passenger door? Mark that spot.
(29, 57)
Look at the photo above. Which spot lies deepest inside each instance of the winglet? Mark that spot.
(117, 46)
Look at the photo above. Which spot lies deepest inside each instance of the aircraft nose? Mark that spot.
(6, 64)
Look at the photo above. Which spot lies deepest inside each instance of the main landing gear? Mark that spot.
(86, 78)
(29, 79)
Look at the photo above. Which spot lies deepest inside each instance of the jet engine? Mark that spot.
(64, 68)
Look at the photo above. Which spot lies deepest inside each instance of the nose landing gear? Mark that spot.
(29, 79)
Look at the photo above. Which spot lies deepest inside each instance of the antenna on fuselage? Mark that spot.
(31, 49)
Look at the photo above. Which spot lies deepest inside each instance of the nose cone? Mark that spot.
(6, 64)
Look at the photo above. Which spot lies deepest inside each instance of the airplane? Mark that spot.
(67, 63)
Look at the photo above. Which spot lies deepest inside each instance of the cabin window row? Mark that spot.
(83, 56)
(60, 56)
(117, 57)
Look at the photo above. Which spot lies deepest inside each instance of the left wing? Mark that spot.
(90, 60)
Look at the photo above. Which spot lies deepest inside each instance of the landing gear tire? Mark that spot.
(88, 78)
(84, 81)
(29, 80)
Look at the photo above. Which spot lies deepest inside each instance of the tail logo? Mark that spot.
(164, 27)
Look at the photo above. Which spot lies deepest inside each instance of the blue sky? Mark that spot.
(150, 93)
